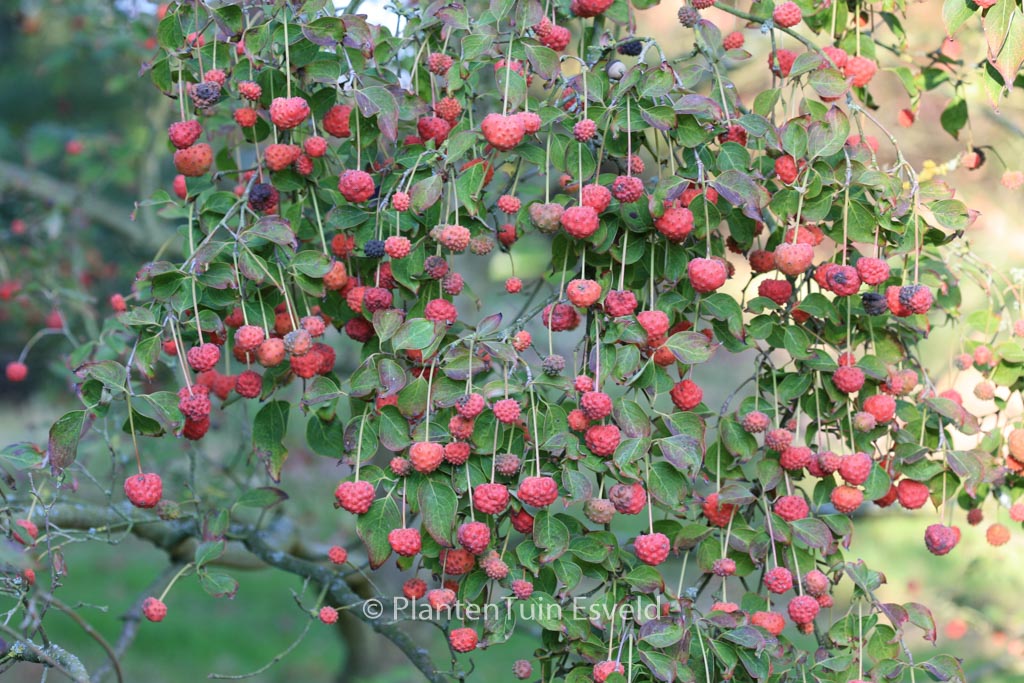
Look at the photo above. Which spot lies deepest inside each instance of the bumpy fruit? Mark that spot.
(653, 548)
(144, 490)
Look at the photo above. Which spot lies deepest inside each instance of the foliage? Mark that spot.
(333, 176)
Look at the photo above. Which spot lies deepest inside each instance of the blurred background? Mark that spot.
(82, 138)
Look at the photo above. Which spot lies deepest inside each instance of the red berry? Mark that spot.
(288, 112)
(184, 134)
(718, 514)
(855, 468)
(16, 371)
(337, 555)
(940, 539)
(791, 508)
(503, 132)
(602, 670)
(580, 221)
(602, 440)
(802, 609)
(778, 580)
(405, 542)
(144, 490)
(154, 609)
(336, 121)
(328, 615)
(706, 274)
(194, 161)
(490, 499)
(652, 548)
(686, 395)
(355, 496)
(426, 456)
(787, 14)
(846, 499)
(356, 186)
(538, 491)
(463, 639)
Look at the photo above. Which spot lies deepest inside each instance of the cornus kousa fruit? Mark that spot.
(627, 189)
(803, 609)
(602, 670)
(652, 548)
(144, 490)
(940, 539)
(503, 132)
(620, 303)
(356, 186)
(288, 112)
(184, 133)
(707, 274)
(787, 14)
(580, 221)
(154, 609)
(538, 491)
(686, 395)
(583, 293)
(717, 514)
(194, 161)
(474, 537)
(355, 496)
(675, 224)
(628, 499)
(490, 499)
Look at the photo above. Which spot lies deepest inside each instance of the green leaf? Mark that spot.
(425, 193)
(268, 431)
(689, 347)
(168, 33)
(950, 213)
(438, 505)
(955, 13)
(218, 584)
(111, 373)
(684, 452)
(662, 634)
(373, 528)
(379, 100)
(21, 455)
(394, 430)
(208, 551)
(543, 60)
(550, 534)
(736, 440)
(62, 447)
(811, 532)
(954, 116)
(273, 229)
(415, 334)
(264, 498)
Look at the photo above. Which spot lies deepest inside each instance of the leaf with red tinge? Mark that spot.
(945, 668)
(921, 617)
(811, 532)
(897, 615)
(683, 452)
(690, 347)
(273, 229)
(62, 447)
(424, 193)
(379, 100)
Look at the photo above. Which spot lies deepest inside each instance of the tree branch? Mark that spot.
(277, 547)
(46, 188)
